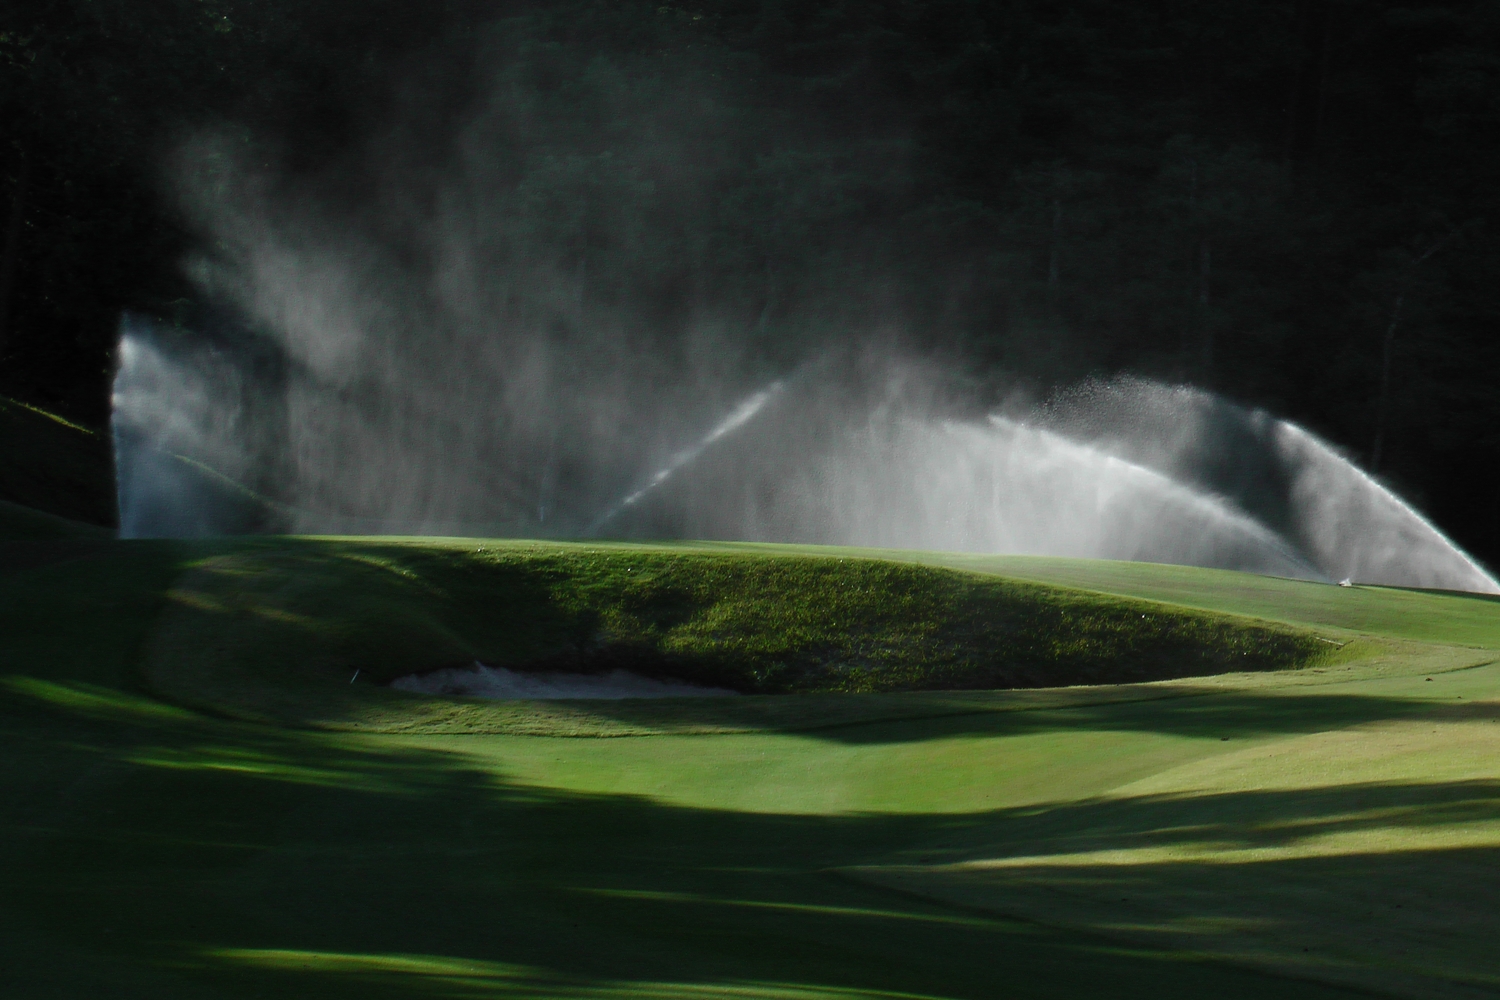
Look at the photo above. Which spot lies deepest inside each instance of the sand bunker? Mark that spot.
(481, 681)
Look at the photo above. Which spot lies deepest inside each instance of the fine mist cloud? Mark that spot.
(612, 295)
(496, 310)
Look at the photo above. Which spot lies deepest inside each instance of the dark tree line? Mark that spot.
(1292, 202)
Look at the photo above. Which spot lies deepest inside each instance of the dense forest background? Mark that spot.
(1292, 203)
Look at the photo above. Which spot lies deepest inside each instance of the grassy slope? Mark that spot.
(1411, 614)
(159, 851)
(52, 465)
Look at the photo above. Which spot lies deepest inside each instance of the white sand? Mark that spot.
(496, 682)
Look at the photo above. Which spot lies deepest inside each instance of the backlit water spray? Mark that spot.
(741, 415)
(1128, 469)
(509, 321)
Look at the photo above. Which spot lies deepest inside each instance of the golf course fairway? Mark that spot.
(203, 799)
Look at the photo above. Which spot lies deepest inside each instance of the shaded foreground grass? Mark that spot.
(1186, 838)
(200, 858)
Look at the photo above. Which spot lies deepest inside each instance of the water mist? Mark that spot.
(544, 322)
(865, 454)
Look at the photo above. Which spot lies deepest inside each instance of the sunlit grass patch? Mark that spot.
(266, 765)
(93, 700)
(479, 978)
(956, 919)
(1361, 854)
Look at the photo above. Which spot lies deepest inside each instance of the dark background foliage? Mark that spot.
(1289, 202)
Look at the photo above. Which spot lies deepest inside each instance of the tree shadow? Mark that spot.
(1226, 821)
(1197, 712)
(1384, 886)
(18, 556)
(1467, 595)
(254, 861)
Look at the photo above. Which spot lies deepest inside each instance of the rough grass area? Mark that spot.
(53, 465)
(273, 627)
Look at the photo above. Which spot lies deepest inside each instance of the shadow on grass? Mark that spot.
(1225, 822)
(1387, 887)
(19, 556)
(223, 859)
(236, 860)
(1202, 713)
(1467, 595)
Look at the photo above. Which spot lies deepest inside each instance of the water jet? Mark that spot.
(877, 456)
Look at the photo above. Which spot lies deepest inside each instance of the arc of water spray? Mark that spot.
(737, 418)
(1426, 544)
(1282, 558)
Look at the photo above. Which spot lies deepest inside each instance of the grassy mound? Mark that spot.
(277, 629)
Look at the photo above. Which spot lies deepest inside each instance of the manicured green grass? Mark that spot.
(1187, 837)
(1429, 616)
